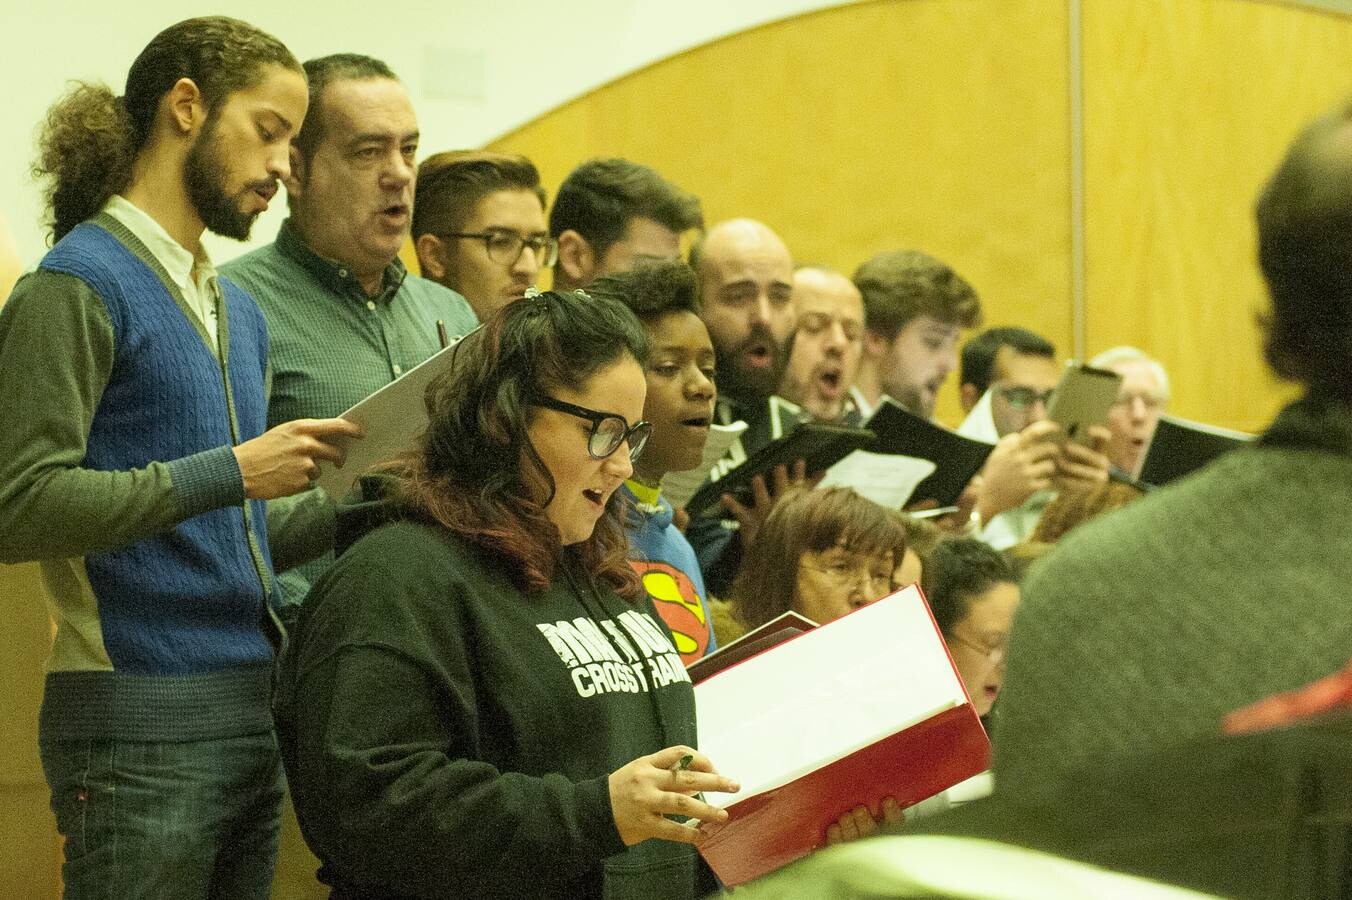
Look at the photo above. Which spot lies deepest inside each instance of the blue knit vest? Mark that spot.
(191, 599)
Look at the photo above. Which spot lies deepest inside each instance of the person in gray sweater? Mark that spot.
(1143, 630)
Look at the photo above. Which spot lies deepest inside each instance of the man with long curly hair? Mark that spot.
(134, 465)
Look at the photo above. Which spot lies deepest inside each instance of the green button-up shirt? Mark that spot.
(330, 345)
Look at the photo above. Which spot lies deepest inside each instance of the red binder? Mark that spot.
(865, 707)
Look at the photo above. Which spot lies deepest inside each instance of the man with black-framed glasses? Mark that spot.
(1008, 375)
(479, 226)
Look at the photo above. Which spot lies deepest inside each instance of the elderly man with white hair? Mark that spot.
(1140, 400)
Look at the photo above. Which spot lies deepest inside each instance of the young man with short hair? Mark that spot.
(992, 352)
(914, 308)
(479, 226)
(612, 215)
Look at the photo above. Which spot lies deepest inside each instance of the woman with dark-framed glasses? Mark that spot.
(479, 700)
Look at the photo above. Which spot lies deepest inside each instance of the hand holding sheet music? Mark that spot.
(392, 418)
(818, 446)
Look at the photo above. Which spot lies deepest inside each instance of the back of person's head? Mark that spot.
(808, 520)
(652, 291)
(451, 184)
(977, 366)
(1305, 250)
(323, 71)
(91, 138)
(599, 198)
(476, 471)
(898, 285)
(957, 571)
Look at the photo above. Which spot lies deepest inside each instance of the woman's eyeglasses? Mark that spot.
(847, 573)
(608, 430)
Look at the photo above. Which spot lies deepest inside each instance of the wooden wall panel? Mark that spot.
(936, 124)
(30, 850)
(1188, 108)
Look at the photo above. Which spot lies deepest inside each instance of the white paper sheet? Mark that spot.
(825, 694)
(392, 418)
(885, 478)
(679, 487)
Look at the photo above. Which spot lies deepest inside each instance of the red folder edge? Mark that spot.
(776, 827)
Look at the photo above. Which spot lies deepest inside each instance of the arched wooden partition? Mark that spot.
(964, 127)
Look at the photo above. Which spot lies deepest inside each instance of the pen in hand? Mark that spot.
(680, 766)
(441, 334)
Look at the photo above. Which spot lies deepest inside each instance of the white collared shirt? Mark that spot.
(199, 293)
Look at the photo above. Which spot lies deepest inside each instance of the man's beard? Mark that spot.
(203, 171)
(755, 384)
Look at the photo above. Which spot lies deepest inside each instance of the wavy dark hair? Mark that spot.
(90, 138)
(1305, 250)
(476, 472)
(802, 520)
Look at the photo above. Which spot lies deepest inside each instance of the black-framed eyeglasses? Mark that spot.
(1026, 397)
(504, 247)
(608, 430)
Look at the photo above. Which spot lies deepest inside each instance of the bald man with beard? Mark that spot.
(746, 285)
(746, 288)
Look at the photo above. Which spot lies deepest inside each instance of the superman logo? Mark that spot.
(678, 603)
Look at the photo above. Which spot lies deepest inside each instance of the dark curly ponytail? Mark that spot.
(90, 138)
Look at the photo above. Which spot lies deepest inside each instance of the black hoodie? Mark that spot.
(447, 735)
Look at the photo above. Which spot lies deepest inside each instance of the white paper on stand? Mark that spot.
(392, 418)
(679, 487)
(885, 478)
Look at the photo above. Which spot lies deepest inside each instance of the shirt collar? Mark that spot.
(176, 259)
(336, 276)
(645, 495)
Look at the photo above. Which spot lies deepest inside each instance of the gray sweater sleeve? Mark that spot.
(56, 356)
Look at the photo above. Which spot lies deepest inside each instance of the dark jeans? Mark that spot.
(167, 820)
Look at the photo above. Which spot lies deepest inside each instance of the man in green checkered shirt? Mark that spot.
(345, 317)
